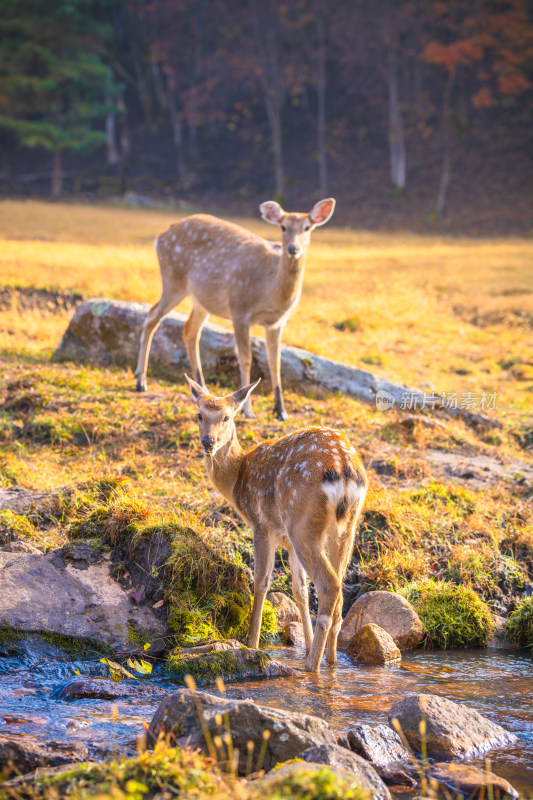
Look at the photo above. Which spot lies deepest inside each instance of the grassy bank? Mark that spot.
(446, 503)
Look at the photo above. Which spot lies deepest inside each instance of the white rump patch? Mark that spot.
(156, 240)
(341, 490)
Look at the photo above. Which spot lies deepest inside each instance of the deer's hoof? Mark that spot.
(281, 414)
(141, 386)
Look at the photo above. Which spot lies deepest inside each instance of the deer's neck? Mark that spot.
(289, 280)
(223, 468)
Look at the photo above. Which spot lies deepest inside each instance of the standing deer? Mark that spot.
(234, 274)
(303, 492)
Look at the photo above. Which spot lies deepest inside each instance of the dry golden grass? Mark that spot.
(418, 308)
(414, 308)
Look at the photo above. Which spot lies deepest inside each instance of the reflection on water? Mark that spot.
(497, 684)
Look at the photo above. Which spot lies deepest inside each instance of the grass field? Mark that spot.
(446, 502)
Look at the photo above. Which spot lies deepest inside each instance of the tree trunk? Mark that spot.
(272, 86)
(111, 135)
(125, 145)
(277, 146)
(396, 127)
(321, 101)
(177, 127)
(446, 134)
(57, 175)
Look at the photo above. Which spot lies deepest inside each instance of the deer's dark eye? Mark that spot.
(200, 418)
(307, 228)
(283, 227)
(226, 419)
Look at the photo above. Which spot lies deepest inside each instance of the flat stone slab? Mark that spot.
(79, 598)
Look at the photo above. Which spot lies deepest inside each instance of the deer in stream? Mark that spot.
(303, 492)
(230, 272)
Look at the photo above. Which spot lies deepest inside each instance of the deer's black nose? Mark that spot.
(208, 442)
(292, 250)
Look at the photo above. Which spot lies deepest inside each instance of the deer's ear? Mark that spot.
(322, 211)
(198, 392)
(238, 398)
(272, 212)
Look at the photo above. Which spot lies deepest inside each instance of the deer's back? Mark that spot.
(219, 263)
(299, 475)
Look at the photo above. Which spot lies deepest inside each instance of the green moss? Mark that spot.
(454, 616)
(73, 646)
(519, 627)
(205, 668)
(308, 783)
(119, 518)
(162, 772)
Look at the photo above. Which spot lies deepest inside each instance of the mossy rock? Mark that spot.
(519, 627)
(72, 646)
(454, 616)
(230, 665)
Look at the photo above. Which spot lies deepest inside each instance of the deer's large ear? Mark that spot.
(322, 211)
(272, 212)
(198, 392)
(239, 398)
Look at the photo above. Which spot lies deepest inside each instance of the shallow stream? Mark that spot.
(499, 684)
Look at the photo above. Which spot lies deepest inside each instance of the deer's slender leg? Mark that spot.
(301, 595)
(191, 336)
(264, 552)
(244, 354)
(273, 347)
(165, 304)
(306, 538)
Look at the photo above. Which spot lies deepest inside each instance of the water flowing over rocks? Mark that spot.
(373, 645)
(107, 332)
(345, 761)
(452, 729)
(70, 593)
(388, 610)
(474, 782)
(290, 733)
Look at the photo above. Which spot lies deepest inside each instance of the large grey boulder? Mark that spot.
(178, 717)
(388, 610)
(452, 729)
(74, 597)
(107, 332)
(344, 760)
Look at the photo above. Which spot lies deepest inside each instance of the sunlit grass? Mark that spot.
(454, 313)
